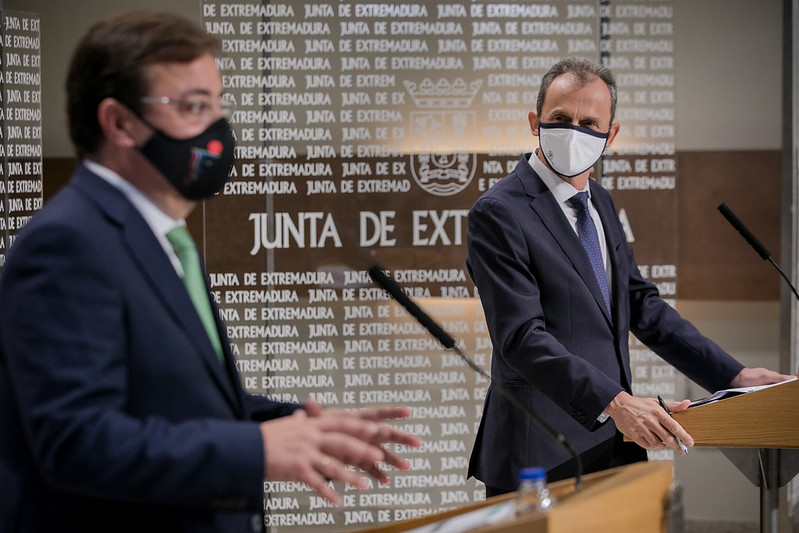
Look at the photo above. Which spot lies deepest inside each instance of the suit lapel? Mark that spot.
(149, 257)
(551, 214)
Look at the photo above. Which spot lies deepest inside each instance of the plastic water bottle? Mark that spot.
(533, 494)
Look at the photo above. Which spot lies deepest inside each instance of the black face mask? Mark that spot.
(197, 167)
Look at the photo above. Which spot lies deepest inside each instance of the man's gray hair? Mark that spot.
(584, 71)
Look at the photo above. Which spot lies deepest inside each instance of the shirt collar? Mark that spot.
(160, 223)
(560, 189)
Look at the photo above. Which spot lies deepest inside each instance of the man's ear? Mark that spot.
(614, 130)
(119, 124)
(533, 119)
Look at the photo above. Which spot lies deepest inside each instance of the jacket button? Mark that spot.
(256, 523)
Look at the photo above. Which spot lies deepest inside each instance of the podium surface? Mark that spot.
(633, 497)
(765, 418)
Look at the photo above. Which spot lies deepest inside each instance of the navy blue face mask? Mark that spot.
(197, 167)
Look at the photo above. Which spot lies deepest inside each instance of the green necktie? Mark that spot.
(195, 283)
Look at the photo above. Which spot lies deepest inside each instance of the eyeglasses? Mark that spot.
(196, 107)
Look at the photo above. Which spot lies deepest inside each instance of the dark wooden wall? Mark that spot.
(714, 261)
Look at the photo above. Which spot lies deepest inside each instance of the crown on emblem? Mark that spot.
(443, 94)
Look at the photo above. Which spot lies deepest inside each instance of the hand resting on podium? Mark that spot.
(643, 421)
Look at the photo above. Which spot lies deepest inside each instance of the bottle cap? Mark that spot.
(533, 473)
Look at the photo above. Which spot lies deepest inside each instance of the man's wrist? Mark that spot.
(615, 403)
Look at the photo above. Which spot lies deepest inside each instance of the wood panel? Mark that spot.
(714, 262)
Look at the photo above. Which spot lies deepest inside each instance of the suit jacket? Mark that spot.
(116, 413)
(555, 346)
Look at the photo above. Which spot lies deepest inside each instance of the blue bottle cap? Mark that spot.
(533, 473)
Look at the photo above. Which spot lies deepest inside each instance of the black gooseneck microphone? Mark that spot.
(390, 286)
(754, 243)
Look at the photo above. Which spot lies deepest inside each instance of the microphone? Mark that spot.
(744, 231)
(390, 286)
(753, 242)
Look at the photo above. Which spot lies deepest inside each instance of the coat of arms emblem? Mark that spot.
(441, 131)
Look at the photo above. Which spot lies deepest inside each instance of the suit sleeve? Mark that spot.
(62, 318)
(500, 260)
(262, 408)
(660, 327)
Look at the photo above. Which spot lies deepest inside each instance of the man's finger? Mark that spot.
(333, 469)
(677, 431)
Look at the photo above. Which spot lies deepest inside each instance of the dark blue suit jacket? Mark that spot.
(555, 346)
(116, 414)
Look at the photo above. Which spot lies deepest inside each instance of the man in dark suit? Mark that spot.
(559, 322)
(120, 409)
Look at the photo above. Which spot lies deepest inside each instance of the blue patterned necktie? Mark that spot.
(194, 281)
(588, 236)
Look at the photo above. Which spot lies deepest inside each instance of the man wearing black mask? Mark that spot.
(120, 404)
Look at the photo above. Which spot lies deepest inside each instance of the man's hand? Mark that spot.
(751, 377)
(645, 422)
(314, 446)
(387, 434)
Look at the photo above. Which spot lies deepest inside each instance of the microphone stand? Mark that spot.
(796, 294)
(379, 276)
(529, 413)
(769, 459)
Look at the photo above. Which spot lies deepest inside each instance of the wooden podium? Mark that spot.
(634, 497)
(766, 420)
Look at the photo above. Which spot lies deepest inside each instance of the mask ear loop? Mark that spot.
(139, 115)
